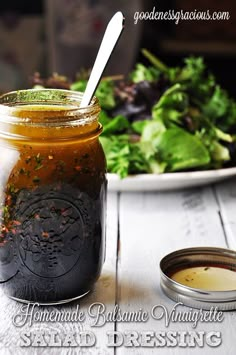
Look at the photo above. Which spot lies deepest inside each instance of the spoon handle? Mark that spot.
(110, 38)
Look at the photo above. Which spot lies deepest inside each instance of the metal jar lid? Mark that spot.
(196, 297)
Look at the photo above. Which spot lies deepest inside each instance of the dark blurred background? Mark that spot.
(64, 35)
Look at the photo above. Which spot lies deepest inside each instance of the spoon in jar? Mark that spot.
(109, 41)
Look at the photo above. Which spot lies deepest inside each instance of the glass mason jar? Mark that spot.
(52, 195)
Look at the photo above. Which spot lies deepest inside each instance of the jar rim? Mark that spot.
(14, 102)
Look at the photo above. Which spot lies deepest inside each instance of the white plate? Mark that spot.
(168, 181)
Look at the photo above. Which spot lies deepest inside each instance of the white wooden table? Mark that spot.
(141, 229)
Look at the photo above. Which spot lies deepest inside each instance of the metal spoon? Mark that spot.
(110, 38)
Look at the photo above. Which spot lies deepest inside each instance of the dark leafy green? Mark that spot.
(142, 73)
(117, 151)
(182, 150)
(114, 125)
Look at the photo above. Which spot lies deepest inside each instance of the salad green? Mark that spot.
(166, 119)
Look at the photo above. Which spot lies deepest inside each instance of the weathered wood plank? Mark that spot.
(226, 196)
(152, 225)
(105, 291)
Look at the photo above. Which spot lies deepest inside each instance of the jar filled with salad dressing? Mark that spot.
(52, 195)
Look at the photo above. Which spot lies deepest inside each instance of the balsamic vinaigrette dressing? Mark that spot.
(211, 277)
(52, 213)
